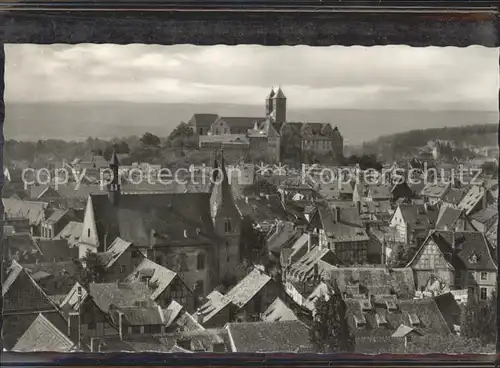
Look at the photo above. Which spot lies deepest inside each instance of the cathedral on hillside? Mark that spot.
(271, 137)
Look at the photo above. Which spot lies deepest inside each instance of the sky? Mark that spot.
(381, 77)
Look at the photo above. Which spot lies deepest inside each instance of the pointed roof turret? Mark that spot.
(221, 198)
(279, 93)
(114, 160)
(271, 94)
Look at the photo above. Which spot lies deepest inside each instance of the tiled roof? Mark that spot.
(263, 129)
(262, 208)
(178, 349)
(13, 273)
(43, 335)
(265, 337)
(324, 258)
(435, 190)
(492, 234)
(116, 249)
(72, 302)
(449, 308)
(160, 276)
(30, 210)
(404, 330)
(57, 299)
(377, 280)
(71, 232)
(419, 216)
(64, 273)
(468, 244)
(241, 122)
(281, 235)
(171, 313)
(278, 311)
(486, 216)
(224, 138)
(120, 295)
(239, 295)
(472, 198)
(56, 215)
(21, 242)
(143, 316)
(428, 314)
(454, 196)
(379, 191)
(344, 229)
(322, 290)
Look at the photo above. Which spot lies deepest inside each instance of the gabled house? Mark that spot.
(54, 221)
(44, 193)
(24, 215)
(244, 302)
(23, 301)
(460, 260)
(278, 311)
(315, 264)
(47, 333)
(80, 307)
(119, 260)
(412, 222)
(340, 230)
(167, 285)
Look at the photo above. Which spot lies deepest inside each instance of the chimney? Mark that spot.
(219, 347)
(184, 343)
(120, 324)
(95, 345)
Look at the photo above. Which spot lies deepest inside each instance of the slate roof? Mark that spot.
(203, 120)
(138, 215)
(278, 311)
(426, 310)
(30, 210)
(43, 335)
(239, 295)
(160, 276)
(142, 316)
(448, 217)
(265, 337)
(71, 232)
(119, 295)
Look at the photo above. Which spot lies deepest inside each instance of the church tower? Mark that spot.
(269, 103)
(279, 108)
(114, 189)
(226, 219)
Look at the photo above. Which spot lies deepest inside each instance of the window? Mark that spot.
(484, 276)
(227, 226)
(200, 261)
(122, 268)
(88, 233)
(483, 294)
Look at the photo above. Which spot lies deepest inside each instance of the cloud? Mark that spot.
(393, 77)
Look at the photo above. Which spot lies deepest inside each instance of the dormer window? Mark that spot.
(414, 320)
(366, 305)
(360, 321)
(473, 258)
(381, 320)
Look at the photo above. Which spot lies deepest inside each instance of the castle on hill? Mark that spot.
(270, 138)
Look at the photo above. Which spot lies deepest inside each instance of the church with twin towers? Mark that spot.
(269, 137)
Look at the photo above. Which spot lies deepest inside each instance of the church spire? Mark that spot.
(114, 189)
(222, 196)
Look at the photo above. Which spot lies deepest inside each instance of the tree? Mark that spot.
(91, 268)
(330, 332)
(150, 140)
(182, 136)
(479, 319)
